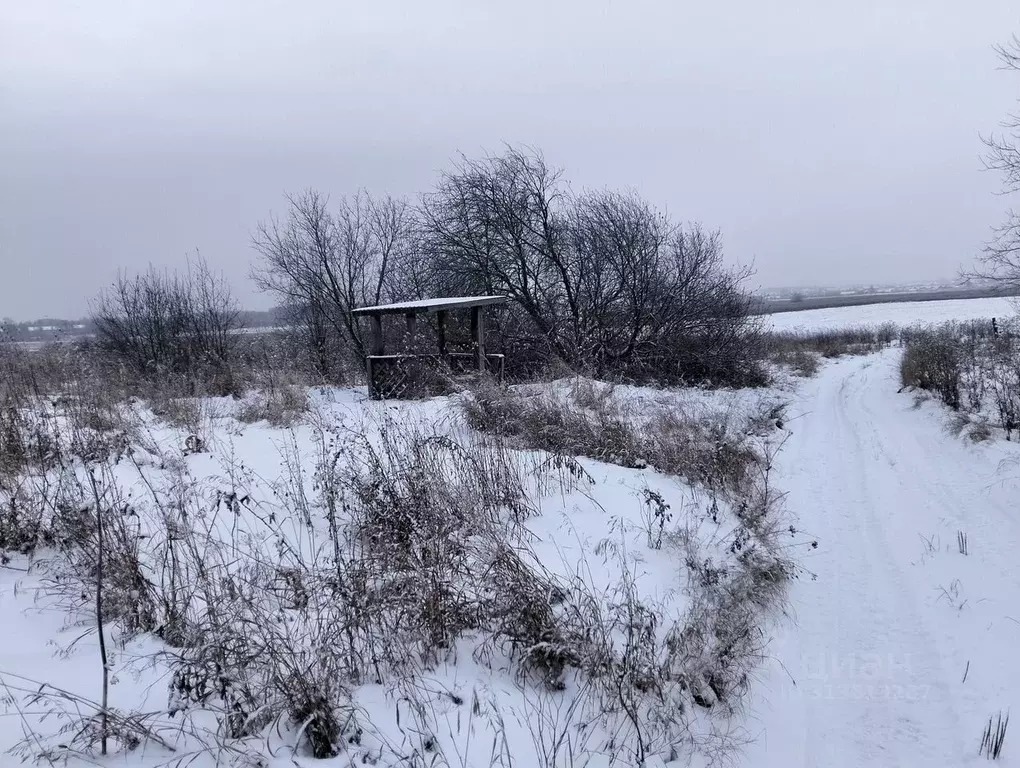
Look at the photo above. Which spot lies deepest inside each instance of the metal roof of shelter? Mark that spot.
(425, 306)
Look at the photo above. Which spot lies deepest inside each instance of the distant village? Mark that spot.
(817, 292)
(44, 329)
(54, 329)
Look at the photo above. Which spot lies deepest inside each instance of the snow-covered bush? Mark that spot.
(801, 350)
(974, 368)
(587, 420)
(932, 361)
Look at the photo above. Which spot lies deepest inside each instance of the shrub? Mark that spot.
(800, 350)
(703, 450)
(161, 324)
(931, 361)
(803, 362)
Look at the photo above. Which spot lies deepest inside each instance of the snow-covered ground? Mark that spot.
(902, 314)
(902, 647)
(897, 649)
(253, 496)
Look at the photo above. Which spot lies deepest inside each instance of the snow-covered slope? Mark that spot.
(660, 575)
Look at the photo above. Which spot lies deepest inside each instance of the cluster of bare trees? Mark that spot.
(603, 281)
(160, 323)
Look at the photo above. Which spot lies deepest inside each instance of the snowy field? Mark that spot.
(515, 607)
(902, 314)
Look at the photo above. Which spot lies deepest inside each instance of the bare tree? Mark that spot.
(1000, 259)
(214, 311)
(619, 249)
(495, 227)
(712, 332)
(160, 322)
(326, 262)
(606, 281)
(100, 625)
(603, 280)
(315, 336)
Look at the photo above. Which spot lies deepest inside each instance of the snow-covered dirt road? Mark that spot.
(870, 670)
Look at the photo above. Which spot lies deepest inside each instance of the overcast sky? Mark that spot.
(831, 142)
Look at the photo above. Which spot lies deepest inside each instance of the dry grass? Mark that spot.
(281, 406)
(803, 362)
(410, 542)
(802, 351)
(589, 421)
(994, 736)
(711, 652)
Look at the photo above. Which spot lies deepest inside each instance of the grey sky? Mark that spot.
(831, 142)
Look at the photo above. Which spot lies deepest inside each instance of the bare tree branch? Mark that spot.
(162, 322)
(999, 261)
(609, 283)
(326, 261)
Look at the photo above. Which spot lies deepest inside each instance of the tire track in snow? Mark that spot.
(876, 678)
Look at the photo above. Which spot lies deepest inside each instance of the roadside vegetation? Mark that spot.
(602, 283)
(804, 351)
(973, 368)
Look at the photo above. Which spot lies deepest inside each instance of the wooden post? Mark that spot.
(412, 325)
(478, 336)
(376, 348)
(377, 335)
(441, 333)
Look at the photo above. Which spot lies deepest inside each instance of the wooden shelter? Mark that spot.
(388, 374)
